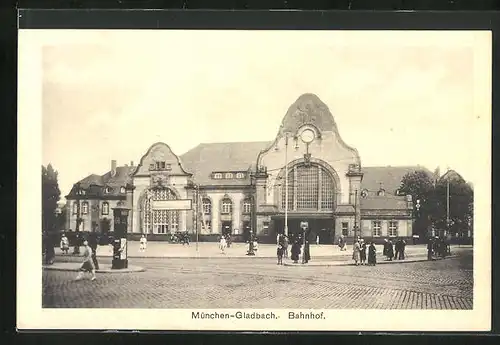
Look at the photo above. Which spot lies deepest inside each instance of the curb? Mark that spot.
(330, 264)
(130, 269)
(221, 256)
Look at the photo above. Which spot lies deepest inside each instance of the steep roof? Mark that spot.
(207, 158)
(94, 185)
(387, 177)
(386, 202)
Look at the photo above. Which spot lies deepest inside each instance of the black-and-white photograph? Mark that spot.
(273, 176)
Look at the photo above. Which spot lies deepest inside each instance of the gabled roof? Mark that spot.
(386, 202)
(205, 159)
(94, 185)
(388, 178)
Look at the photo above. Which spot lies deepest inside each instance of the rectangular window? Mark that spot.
(376, 228)
(265, 227)
(160, 165)
(393, 229)
(247, 207)
(168, 167)
(105, 208)
(226, 208)
(75, 208)
(345, 228)
(207, 208)
(162, 229)
(85, 208)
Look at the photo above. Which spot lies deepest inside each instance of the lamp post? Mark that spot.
(197, 211)
(78, 195)
(286, 185)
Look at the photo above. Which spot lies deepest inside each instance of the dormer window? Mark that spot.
(381, 192)
(122, 190)
(107, 190)
(217, 176)
(240, 175)
(229, 175)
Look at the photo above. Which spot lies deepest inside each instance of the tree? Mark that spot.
(420, 185)
(50, 196)
(460, 204)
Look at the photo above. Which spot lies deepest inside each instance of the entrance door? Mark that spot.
(227, 228)
(246, 230)
(324, 228)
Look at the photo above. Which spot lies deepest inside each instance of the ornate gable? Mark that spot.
(159, 162)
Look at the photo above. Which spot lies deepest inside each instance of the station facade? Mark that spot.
(307, 173)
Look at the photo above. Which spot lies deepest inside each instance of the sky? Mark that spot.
(399, 98)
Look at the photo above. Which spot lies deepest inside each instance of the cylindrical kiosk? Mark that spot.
(120, 216)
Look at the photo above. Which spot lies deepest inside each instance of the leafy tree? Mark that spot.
(420, 185)
(50, 196)
(460, 204)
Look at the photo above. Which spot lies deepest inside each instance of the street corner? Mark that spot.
(74, 267)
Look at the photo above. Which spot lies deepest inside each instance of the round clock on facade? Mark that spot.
(307, 136)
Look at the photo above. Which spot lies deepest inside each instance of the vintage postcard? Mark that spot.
(254, 180)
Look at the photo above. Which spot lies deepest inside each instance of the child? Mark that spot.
(279, 253)
(223, 244)
(88, 264)
(64, 244)
(143, 243)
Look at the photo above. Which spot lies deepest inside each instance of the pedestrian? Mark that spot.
(87, 265)
(362, 252)
(64, 244)
(430, 246)
(397, 249)
(307, 252)
(255, 244)
(279, 254)
(402, 248)
(93, 243)
(295, 251)
(317, 239)
(143, 242)
(385, 251)
(223, 244)
(390, 250)
(342, 243)
(356, 253)
(372, 254)
(285, 246)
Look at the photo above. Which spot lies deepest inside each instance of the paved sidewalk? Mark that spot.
(73, 266)
(237, 250)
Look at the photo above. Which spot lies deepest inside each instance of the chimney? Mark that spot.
(131, 163)
(113, 167)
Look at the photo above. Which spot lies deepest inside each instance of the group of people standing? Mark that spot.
(394, 251)
(437, 247)
(359, 253)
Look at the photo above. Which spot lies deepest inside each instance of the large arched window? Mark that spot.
(159, 221)
(309, 188)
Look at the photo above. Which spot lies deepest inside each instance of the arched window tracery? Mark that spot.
(159, 221)
(310, 188)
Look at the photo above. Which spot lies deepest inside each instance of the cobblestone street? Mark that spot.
(244, 283)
